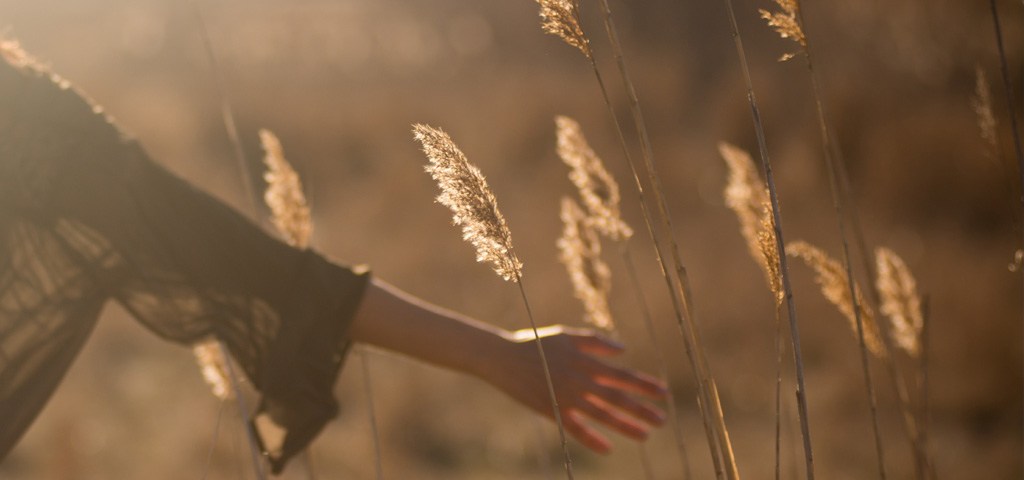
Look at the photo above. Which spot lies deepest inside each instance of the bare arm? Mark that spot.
(586, 386)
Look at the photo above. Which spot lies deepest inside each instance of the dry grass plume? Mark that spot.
(284, 196)
(466, 193)
(562, 18)
(597, 188)
(747, 196)
(900, 300)
(831, 277)
(786, 23)
(580, 251)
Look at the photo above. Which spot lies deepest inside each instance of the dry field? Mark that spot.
(341, 82)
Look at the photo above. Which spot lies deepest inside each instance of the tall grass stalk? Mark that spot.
(562, 18)
(475, 209)
(228, 118)
(680, 289)
(600, 194)
(790, 23)
(1010, 105)
(780, 245)
(728, 456)
(378, 465)
(670, 401)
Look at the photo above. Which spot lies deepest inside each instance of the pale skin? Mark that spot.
(589, 389)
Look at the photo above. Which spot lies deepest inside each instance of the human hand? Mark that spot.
(586, 387)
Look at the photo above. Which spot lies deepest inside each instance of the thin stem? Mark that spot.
(547, 378)
(780, 243)
(213, 442)
(645, 462)
(710, 391)
(778, 391)
(250, 432)
(666, 274)
(364, 358)
(670, 402)
(1008, 85)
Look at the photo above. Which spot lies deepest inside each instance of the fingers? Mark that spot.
(603, 412)
(584, 433)
(627, 379)
(624, 402)
(596, 344)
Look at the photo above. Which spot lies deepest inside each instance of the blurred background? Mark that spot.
(341, 81)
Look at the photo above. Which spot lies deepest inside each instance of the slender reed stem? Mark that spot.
(250, 432)
(213, 442)
(778, 392)
(923, 379)
(780, 243)
(645, 462)
(673, 414)
(666, 274)
(1008, 85)
(364, 358)
(307, 457)
(547, 378)
(705, 378)
(232, 130)
(840, 207)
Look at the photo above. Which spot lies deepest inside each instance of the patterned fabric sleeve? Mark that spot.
(86, 216)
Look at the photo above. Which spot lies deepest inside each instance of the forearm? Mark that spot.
(394, 320)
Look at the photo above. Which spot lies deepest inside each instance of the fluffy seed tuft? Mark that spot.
(466, 193)
(214, 368)
(598, 189)
(900, 301)
(982, 105)
(580, 251)
(562, 18)
(786, 23)
(290, 212)
(831, 277)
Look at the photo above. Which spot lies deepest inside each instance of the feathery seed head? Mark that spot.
(900, 301)
(767, 245)
(466, 193)
(748, 198)
(580, 251)
(213, 365)
(597, 187)
(290, 213)
(1018, 260)
(562, 18)
(786, 23)
(982, 105)
(831, 277)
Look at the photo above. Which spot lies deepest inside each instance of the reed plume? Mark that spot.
(213, 365)
(465, 192)
(982, 105)
(747, 196)
(580, 251)
(597, 188)
(562, 18)
(831, 277)
(900, 300)
(290, 212)
(786, 23)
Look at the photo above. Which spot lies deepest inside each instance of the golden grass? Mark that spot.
(786, 23)
(562, 18)
(580, 251)
(747, 196)
(981, 102)
(900, 300)
(597, 188)
(284, 195)
(465, 192)
(213, 365)
(831, 277)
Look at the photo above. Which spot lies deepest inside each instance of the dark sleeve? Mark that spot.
(85, 216)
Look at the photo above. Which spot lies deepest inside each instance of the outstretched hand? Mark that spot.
(588, 389)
